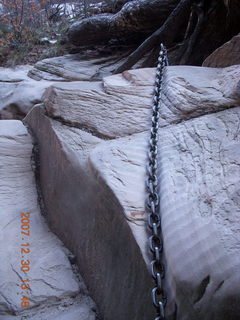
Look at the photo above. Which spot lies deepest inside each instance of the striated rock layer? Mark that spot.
(92, 140)
(75, 67)
(55, 289)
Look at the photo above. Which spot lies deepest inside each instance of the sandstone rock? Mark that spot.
(19, 93)
(199, 217)
(74, 67)
(102, 186)
(16, 74)
(17, 98)
(126, 98)
(69, 309)
(53, 284)
(227, 55)
(88, 217)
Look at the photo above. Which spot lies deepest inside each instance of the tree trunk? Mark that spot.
(134, 22)
(166, 34)
(190, 29)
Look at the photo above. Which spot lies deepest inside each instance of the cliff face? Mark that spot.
(88, 140)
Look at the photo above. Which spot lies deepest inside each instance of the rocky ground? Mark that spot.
(79, 159)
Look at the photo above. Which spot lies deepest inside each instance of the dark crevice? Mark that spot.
(12, 111)
(202, 289)
(195, 116)
(219, 286)
(175, 312)
(35, 164)
(79, 126)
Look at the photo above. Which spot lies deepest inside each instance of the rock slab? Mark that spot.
(126, 98)
(54, 286)
(95, 228)
(92, 173)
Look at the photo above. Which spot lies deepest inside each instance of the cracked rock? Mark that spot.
(75, 67)
(125, 99)
(92, 176)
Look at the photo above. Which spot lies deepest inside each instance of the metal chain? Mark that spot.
(152, 204)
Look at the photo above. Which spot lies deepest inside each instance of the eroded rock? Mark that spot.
(88, 217)
(125, 98)
(19, 93)
(16, 74)
(75, 67)
(199, 216)
(54, 286)
(97, 203)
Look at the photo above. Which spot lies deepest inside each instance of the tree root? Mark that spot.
(190, 40)
(166, 34)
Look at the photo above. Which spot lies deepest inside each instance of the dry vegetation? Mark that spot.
(31, 30)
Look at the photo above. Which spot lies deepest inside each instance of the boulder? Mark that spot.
(17, 98)
(92, 177)
(227, 55)
(55, 288)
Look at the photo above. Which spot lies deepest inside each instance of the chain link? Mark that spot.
(152, 202)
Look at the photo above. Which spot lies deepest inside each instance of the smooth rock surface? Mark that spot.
(126, 98)
(199, 217)
(102, 185)
(88, 216)
(227, 55)
(16, 74)
(54, 286)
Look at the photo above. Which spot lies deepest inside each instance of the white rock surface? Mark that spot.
(53, 284)
(126, 98)
(22, 87)
(75, 67)
(199, 177)
(18, 92)
(102, 185)
(17, 74)
(19, 97)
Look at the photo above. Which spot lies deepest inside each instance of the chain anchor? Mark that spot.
(159, 298)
